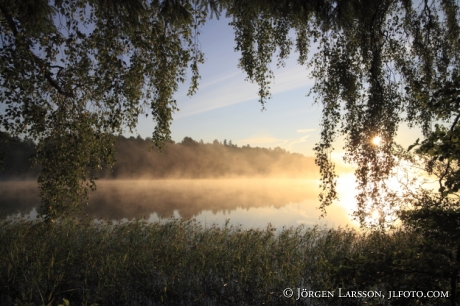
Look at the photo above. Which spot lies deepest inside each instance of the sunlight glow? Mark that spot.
(377, 140)
(375, 215)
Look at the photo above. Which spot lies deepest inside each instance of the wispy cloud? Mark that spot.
(261, 141)
(220, 79)
(230, 89)
(272, 141)
(217, 94)
(305, 130)
(300, 140)
(291, 78)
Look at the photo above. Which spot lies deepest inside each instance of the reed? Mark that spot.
(183, 263)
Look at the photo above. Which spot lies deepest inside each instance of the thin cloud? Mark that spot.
(271, 141)
(305, 130)
(261, 141)
(302, 139)
(292, 78)
(232, 89)
(219, 79)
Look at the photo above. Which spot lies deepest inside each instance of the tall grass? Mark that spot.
(183, 263)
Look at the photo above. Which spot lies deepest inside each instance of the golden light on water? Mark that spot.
(377, 140)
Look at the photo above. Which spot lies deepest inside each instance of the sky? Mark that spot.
(226, 106)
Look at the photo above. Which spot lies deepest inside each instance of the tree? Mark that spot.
(436, 213)
(380, 63)
(368, 51)
(189, 141)
(73, 73)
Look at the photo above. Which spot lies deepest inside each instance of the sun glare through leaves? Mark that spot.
(377, 140)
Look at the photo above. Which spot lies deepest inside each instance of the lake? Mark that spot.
(251, 203)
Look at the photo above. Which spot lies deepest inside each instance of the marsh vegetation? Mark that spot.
(184, 263)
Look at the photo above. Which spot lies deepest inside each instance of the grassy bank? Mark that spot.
(183, 263)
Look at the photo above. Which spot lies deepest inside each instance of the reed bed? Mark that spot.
(183, 263)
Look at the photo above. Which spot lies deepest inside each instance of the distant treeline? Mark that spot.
(16, 158)
(135, 159)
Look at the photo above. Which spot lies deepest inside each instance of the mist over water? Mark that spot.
(249, 202)
(212, 182)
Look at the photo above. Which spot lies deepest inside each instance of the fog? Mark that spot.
(188, 180)
(190, 159)
(140, 198)
(250, 202)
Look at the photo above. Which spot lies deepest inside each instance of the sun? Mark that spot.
(375, 215)
(377, 140)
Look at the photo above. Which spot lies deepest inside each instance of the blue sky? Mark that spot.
(226, 106)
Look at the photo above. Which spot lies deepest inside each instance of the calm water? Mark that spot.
(250, 202)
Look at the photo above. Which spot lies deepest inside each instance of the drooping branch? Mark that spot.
(56, 85)
(44, 66)
(9, 19)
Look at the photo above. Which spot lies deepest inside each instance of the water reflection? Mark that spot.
(251, 202)
(18, 197)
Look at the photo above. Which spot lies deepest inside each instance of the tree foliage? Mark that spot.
(74, 72)
(435, 214)
(379, 63)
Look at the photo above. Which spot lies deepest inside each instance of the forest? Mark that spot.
(189, 159)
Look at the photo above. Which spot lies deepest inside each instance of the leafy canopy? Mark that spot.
(74, 72)
(379, 63)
